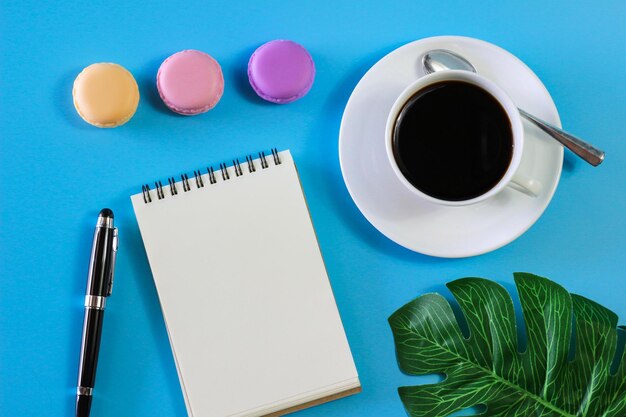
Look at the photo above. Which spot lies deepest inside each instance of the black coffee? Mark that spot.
(453, 141)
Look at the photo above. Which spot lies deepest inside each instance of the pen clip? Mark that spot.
(114, 246)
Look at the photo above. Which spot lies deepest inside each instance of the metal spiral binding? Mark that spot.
(263, 160)
(224, 169)
(211, 173)
(159, 189)
(276, 157)
(225, 174)
(173, 189)
(251, 167)
(185, 179)
(145, 190)
(237, 167)
(198, 177)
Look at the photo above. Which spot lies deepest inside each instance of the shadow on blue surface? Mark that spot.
(149, 302)
(146, 79)
(75, 315)
(239, 73)
(63, 100)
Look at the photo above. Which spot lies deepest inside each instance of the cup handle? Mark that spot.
(526, 185)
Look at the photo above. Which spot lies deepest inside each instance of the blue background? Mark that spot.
(56, 172)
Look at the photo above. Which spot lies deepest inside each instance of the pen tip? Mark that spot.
(105, 212)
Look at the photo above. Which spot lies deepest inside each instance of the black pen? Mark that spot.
(99, 286)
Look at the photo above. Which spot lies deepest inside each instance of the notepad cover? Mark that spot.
(248, 305)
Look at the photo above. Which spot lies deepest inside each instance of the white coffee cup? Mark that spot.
(511, 177)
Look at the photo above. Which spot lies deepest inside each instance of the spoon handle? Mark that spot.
(581, 148)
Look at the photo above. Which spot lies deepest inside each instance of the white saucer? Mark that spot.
(449, 232)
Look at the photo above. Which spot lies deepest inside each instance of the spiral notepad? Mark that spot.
(249, 310)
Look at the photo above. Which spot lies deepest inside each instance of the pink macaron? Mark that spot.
(281, 71)
(190, 82)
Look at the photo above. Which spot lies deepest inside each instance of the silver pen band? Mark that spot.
(95, 301)
(84, 391)
(105, 222)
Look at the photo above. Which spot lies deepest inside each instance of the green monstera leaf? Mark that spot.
(487, 368)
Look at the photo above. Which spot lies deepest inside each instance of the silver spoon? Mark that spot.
(442, 59)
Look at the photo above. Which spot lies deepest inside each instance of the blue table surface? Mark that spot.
(56, 172)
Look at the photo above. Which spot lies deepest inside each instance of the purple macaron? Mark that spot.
(281, 71)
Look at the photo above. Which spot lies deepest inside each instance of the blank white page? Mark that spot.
(247, 302)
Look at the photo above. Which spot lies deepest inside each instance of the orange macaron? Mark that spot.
(105, 95)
